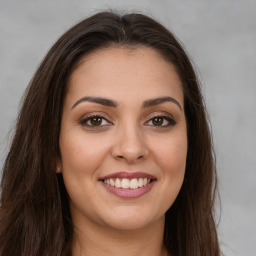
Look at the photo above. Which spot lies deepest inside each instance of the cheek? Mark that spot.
(172, 154)
(80, 151)
(171, 157)
(80, 159)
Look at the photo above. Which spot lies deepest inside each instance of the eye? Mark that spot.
(95, 121)
(161, 121)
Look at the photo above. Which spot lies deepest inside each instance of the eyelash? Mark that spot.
(84, 122)
(170, 120)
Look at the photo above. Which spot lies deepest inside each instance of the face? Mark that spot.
(123, 138)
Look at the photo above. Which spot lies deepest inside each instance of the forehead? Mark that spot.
(121, 71)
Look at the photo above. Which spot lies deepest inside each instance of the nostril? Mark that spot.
(123, 157)
(129, 152)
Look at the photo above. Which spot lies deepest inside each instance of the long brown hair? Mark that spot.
(34, 213)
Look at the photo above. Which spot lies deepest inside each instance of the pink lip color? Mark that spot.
(127, 192)
(128, 175)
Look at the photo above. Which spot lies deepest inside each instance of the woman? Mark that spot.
(112, 153)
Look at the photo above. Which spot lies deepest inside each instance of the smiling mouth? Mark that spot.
(128, 185)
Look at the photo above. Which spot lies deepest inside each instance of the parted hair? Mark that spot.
(34, 207)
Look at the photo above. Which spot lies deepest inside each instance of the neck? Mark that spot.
(93, 240)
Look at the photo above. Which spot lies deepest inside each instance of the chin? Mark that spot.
(131, 219)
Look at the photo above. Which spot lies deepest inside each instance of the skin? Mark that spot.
(128, 139)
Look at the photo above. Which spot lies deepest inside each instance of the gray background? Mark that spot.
(220, 37)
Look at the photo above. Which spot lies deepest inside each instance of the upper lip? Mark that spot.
(128, 175)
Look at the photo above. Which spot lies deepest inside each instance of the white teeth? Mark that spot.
(134, 183)
(112, 182)
(140, 182)
(118, 183)
(126, 183)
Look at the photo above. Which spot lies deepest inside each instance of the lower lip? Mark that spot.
(127, 192)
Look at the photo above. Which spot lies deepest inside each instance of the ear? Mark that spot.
(58, 166)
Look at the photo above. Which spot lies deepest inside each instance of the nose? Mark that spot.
(130, 146)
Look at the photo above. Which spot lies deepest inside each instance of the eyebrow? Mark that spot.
(157, 101)
(112, 103)
(98, 100)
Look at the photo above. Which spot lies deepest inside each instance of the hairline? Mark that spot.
(120, 45)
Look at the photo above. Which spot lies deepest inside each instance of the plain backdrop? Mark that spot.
(220, 37)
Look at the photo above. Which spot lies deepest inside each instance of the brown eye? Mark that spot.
(158, 121)
(161, 121)
(96, 121)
